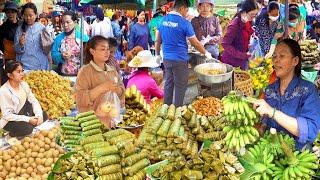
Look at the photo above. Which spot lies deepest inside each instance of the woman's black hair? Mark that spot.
(247, 6)
(294, 12)
(72, 14)
(273, 6)
(92, 44)
(99, 13)
(29, 5)
(11, 66)
(112, 42)
(295, 50)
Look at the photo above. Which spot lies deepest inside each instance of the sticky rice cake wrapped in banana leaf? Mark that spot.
(174, 128)
(92, 139)
(108, 160)
(115, 176)
(132, 159)
(113, 133)
(141, 175)
(110, 169)
(131, 170)
(163, 130)
(171, 112)
(108, 150)
(163, 111)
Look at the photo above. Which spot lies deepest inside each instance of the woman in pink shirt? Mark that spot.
(141, 78)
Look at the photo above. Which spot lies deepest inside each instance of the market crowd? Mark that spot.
(122, 51)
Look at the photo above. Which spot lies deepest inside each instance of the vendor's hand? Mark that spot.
(33, 121)
(107, 86)
(249, 54)
(208, 55)
(66, 55)
(40, 120)
(263, 108)
(22, 39)
(216, 39)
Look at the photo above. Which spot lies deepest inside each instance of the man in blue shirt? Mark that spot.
(172, 33)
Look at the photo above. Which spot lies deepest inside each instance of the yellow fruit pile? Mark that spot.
(261, 75)
(32, 158)
(52, 91)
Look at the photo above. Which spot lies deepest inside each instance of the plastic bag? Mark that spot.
(108, 110)
(47, 38)
(257, 55)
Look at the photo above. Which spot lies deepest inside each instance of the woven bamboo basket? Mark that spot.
(243, 82)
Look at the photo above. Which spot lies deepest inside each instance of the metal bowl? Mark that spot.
(211, 79)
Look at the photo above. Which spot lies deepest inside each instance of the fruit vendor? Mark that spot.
(21, 110)
(236, 40)
(97, 78)
(291, 103)
(173, 33)
(207, 27)
(142, 79)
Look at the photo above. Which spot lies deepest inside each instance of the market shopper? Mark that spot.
(236, 40)
(117, 30)
(139, 33)
(97, 78)
(27, 41)
(290, 103)
(266, 25)
(296, 25)
(113, 45)
(101, 25)
(207, 27)
(8, 30)
(7, 33)
(172, 34)
(56, 22)
(142, 79)
(314, 32)
(65, 50)
(20, 109)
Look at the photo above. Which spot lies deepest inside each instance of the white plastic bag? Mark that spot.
(108, 110)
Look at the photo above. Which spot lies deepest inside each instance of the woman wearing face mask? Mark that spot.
(21, 110)
(65, 50)
(266, 25)
(27, 40)
(236, 40)
(296, 25)
(290, 103)
(139, 33)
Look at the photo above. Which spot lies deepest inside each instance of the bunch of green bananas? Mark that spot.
(238, 111)
(272, 141)
(295, 165)
(241, 119)
(238, 137)
(261, 158)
